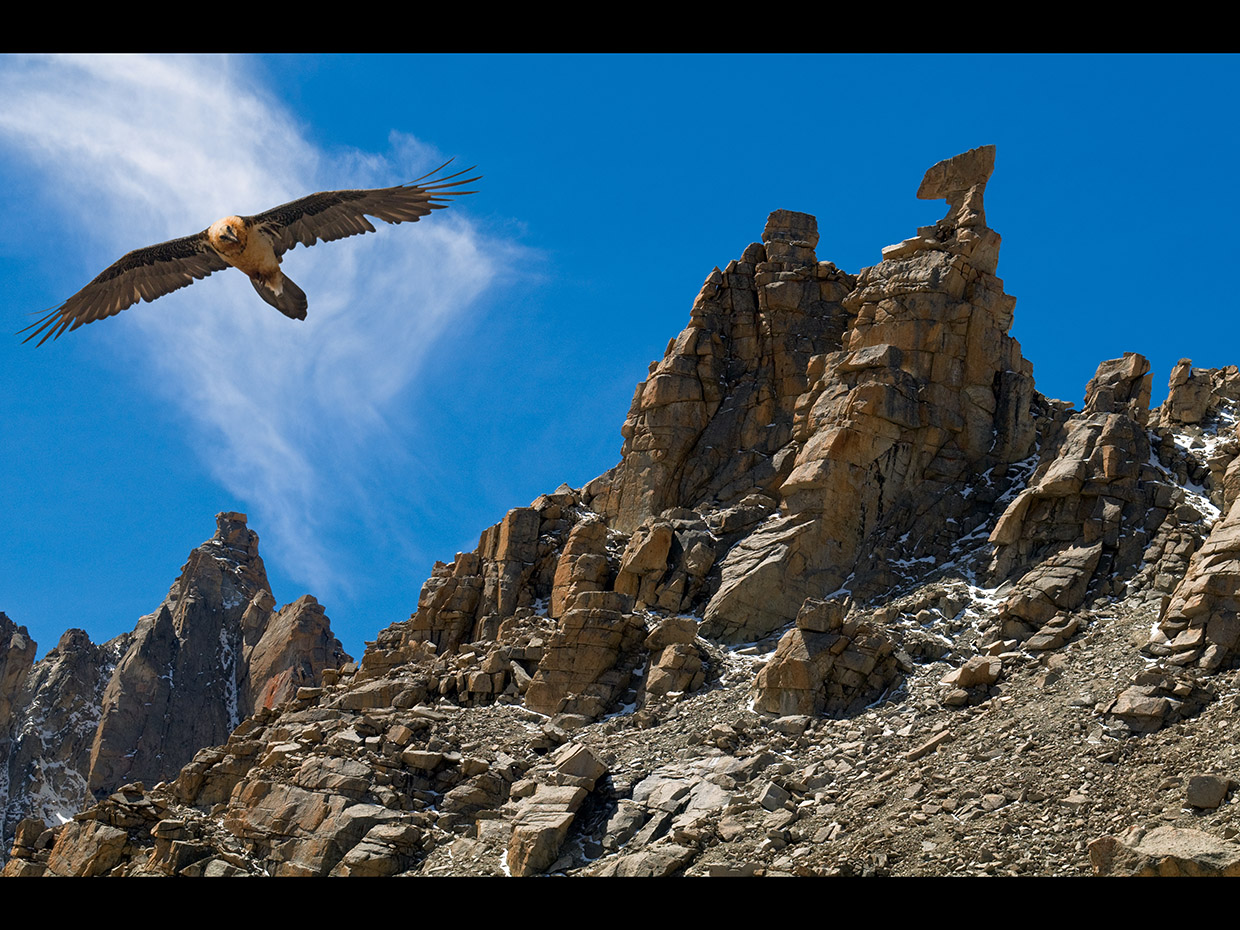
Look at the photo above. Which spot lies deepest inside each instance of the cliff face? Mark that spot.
(88, 718)
(845, 531)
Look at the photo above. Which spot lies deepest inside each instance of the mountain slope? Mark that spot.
(857, 599)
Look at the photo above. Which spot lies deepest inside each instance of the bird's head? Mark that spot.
(228, 235)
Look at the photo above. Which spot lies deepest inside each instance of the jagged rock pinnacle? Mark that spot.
(961, 181)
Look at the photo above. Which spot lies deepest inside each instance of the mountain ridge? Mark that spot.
(857, 599)
(87, 718)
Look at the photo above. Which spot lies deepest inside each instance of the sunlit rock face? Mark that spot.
(925, 393)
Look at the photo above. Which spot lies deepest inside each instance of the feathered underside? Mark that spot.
(331, 215)
(143, 274)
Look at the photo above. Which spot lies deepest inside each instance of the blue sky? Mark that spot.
(453, 369)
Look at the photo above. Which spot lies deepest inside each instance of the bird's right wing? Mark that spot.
(331, 215)
(143, 274)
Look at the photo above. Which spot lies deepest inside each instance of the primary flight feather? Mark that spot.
(252, 244)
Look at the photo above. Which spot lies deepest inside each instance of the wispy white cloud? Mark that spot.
(292, 418)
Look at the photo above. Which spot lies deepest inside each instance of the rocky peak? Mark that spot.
(1194, 394)
(1121, 385)
(226, 570)
(86, 718)
(17, 651)
(961, 181)
(712, 422)
(925, 392)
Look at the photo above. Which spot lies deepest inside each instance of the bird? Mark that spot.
(254, 245)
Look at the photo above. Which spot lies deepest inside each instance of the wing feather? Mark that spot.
(143, 274)
(331, 215)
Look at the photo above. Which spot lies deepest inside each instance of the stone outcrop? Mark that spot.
(1196, 430)
(582, 671)
(1197, 394)
(827, 664)
(283, 651)
(1090, 508)
(713, 420)
(677, 663)
(546, 809)
(1195, 555)
(186, 679)
(1202, 622)
(924, 393)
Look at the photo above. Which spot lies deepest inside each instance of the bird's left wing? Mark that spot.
(331, 215)
(143, 274)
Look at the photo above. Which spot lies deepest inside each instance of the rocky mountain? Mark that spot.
(857, 599)
(88, 718)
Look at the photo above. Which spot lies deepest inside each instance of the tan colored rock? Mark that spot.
(582, 566)
(678, 667)
(1164, 850)
(546, 814)
(645, 562)
(657, 861)
(386, 849)
(582, 671)
(977, 671)
(537, 838)
(1084, 510)
(293, 648)
(516, 565)
(1158, 696)
(961, 181)
(87, 849)
(672, 631)
(730, 380)
(834, 671)
(1203, 614)
(541, 827)
(926, 388)
(1195, 393)
(577, 761)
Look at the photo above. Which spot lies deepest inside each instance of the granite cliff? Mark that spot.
(857, 599)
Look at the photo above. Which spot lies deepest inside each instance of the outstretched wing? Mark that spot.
(331, 215)
(143, 274)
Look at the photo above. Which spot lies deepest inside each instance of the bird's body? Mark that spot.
(252, 253)
(249, 249)
(253, 245)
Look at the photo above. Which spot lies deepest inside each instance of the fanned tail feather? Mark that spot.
(291, 300)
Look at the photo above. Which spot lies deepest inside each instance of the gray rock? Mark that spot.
(1207, 791)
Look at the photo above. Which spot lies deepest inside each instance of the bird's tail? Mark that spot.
(291, 300)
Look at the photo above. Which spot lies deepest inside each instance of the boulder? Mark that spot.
(1164, 850)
